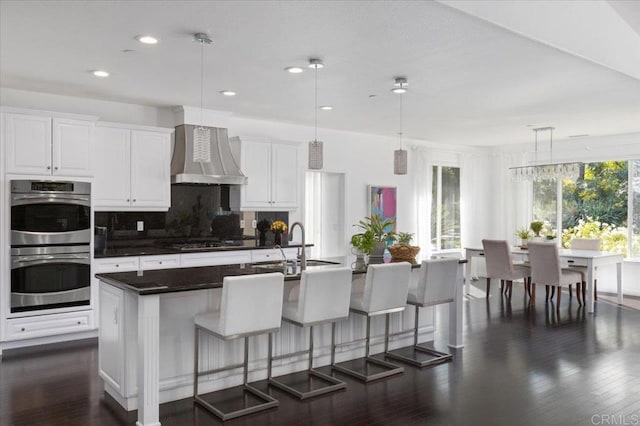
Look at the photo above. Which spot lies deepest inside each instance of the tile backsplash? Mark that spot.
(197, 212)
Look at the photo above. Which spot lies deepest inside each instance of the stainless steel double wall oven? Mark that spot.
(50, 240)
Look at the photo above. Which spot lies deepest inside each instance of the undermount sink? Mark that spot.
(293, 268)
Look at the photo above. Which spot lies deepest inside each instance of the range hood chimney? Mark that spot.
(222, 169)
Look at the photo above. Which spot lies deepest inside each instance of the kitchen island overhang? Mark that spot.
(146, 335)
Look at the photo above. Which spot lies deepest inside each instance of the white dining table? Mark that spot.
(568, 257)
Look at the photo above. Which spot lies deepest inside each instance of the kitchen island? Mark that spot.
(146, 335)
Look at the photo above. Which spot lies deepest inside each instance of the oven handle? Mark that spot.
(23, 261)
(24, 199)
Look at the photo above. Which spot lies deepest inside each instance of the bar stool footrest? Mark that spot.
(438, 357)
(269, 402)
(332, 386)
(389, 369)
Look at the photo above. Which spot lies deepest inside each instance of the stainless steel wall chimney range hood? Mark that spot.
(222, 169)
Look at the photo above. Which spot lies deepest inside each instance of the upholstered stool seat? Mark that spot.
(321, 297)
(383, 291)
(436, 285)
(249, 305)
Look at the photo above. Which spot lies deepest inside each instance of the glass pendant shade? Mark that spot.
(315, 155)
(400, 162)
(201, 144)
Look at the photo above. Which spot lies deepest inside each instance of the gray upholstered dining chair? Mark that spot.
(545, 269)
(586, 244)
(500, 266)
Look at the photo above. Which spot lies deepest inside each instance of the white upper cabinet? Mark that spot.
(272, 171)
(132, 169)
(42, 145)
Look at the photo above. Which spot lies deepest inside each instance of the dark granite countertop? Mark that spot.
(155, 250)
(187, 279)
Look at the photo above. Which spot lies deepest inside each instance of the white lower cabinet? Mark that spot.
(159, 262)
(111, 337)
(48, 325)
(215, 258)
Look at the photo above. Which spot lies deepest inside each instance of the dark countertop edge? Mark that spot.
(106, 277)
(158, 251)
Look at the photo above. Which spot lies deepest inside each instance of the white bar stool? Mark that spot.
(322, 296)
(384, 291)
(250, 305)
(436, 285)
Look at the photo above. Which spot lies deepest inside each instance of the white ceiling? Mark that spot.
(471, 81)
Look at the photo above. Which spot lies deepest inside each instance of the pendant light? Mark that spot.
(547, 171)
(201, 134)
(400, 155)
(315, 146)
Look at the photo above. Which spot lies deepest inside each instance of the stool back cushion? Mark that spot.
(251, 303)
(324, 294)
(437, 281)
(498, 258)
(545, 263)
(386, 286)
(586, 244)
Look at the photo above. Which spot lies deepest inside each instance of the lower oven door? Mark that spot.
(50, 277)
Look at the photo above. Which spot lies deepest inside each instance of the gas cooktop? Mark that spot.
(203, 245)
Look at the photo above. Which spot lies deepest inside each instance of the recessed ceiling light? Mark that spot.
(147, 39)
(227, 92)
(294, 70)
(326, 107)
(100, 73)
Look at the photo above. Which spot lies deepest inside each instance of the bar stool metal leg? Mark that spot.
(331, 384)
(389, 369)
(438, 357)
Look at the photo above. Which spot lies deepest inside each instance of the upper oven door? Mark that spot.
(38, 219)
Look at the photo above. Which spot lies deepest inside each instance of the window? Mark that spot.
(598, 204)
(445, 208)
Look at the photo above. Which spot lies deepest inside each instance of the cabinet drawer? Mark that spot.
(219, 258)
(48, 325)
(274, 255)
(116, 264)
(159, 262)
(566, 262)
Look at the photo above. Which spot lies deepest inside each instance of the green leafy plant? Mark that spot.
(404, 237)
(523, 233)
(363, 241)
(536, 227)
(379, 228)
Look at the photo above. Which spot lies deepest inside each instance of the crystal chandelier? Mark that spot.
(400, 155)
(201, 135)
(315, 146)
(545, 171)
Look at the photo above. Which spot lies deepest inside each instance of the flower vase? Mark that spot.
(277, 239)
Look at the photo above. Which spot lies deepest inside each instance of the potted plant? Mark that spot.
(380, 230)
(363, 244)
(524, 234)
(402, 250)
(536, 227)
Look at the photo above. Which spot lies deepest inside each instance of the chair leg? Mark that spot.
(595, 289)
(558, 297)
(553, 291)
(502, 289)
(196, 350)
(584, 293)
(509, 288)
(488, 286)
(571, 292)
(578, 293)
(546, 288)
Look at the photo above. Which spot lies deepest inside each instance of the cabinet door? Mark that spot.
(284, 176)
(28, 144)
(112, 184)
(256, 164)
(72, 147)
(150, 170)
(111, 331)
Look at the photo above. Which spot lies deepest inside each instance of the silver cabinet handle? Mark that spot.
(117, 266)
(128, 200)
(160, 262)
(55, 168)
(134, 200)
(48, 167)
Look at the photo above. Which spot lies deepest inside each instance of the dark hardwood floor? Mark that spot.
(521, 366)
